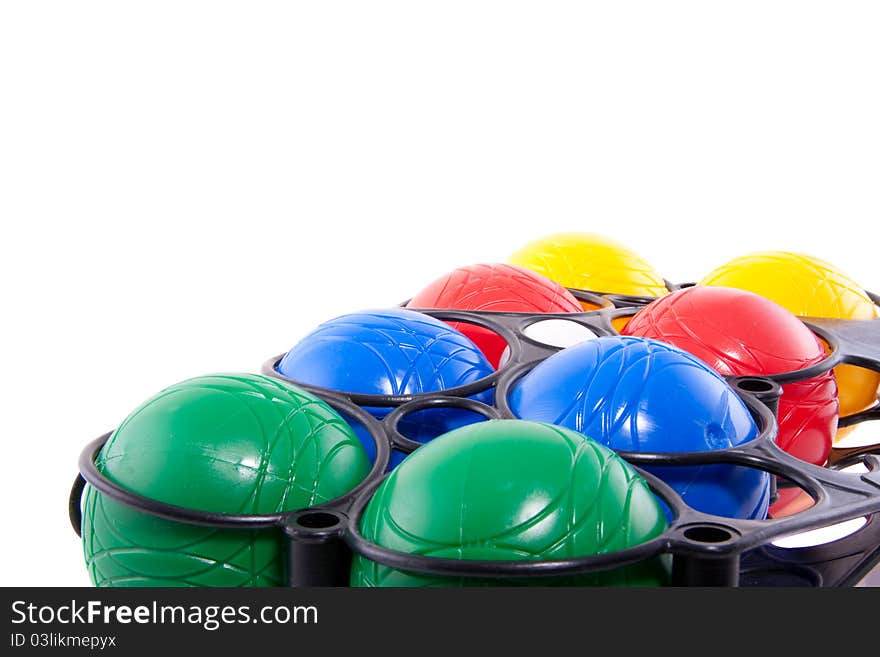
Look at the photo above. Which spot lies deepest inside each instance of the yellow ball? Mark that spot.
(808, 287)
(585, 261)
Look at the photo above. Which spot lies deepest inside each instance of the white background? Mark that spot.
(188, 187)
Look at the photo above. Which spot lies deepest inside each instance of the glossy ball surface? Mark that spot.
(808, 287)
(391, 352)
(511, 490)
(586, 261)
(738, 333)
(641, 395)
(496, 288)
(229, 443)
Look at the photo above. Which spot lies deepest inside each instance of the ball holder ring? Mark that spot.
(705, 549)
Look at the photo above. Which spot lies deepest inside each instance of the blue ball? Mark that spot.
(391, 352)
(366, 439)
(641, 395)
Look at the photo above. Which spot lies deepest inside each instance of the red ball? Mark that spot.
(494, 287)
(742, 334)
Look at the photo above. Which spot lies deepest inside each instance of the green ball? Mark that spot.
(512, 490)
(228, 443)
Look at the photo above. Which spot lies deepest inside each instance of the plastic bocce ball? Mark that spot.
(586, 261)
(641, 395)
(738, 333)
(512, 490)
(391, 352)
(232, 443)
(808, 287)
(498, 288)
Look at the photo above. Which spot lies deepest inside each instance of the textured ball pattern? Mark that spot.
(586, 261)
(738, 333)
(808, 287)
(235, 443)
(497, 288)
(646, 396)
(390, 352)
(511, 490)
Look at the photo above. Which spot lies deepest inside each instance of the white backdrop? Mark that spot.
(188, 187)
